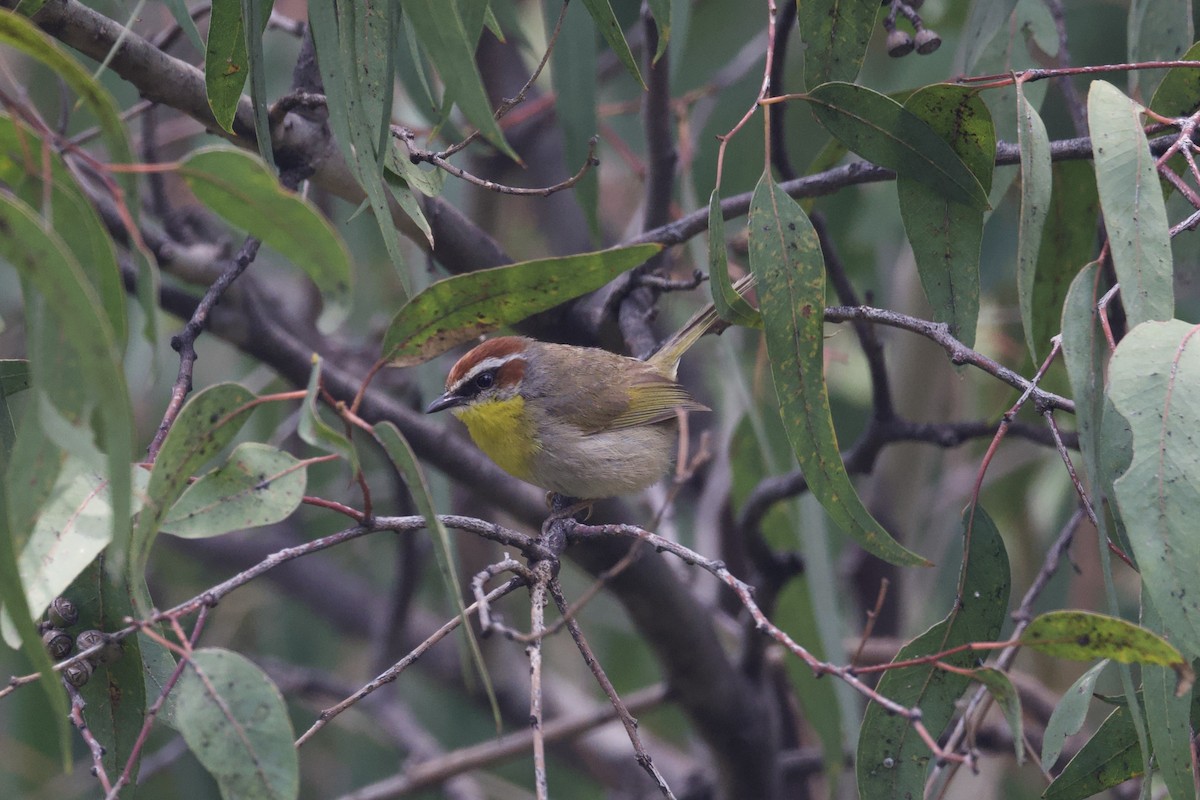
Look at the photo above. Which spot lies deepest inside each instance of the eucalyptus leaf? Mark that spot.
(1036, 188)
(1084, 635)
(1070, 713)
(461, 308)
(836, 34)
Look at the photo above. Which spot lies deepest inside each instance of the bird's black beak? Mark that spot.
(447, 400)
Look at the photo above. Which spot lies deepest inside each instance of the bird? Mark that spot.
(581, 422)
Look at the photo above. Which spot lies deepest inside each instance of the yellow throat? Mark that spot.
(501, 429)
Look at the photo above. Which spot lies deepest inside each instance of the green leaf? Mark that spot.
(1068, 243)
(320, 434)
(208, 422)
(1158, 30)
(785, 257)
(258, 485)
(226, 62)
(661, 11)
(1005, 694)
(1134, 211)
(946, 234)
(74, 527)
(405, 461)
(1084, 635)
(13, 596)
(65, 209)
(1069, 714)
(1167, 718)
(1036, 188)
(236, 186)
(610, 29)
(1109, 758)
(458, 309)
(47, 265)
(351, 41)
(441, 33)
(892, 759)
(235, 721)
(880, 130)
(16, 31)
(183, 19)
(573, 75)
(115, 695)
(1179, 92)
(836, 34)
(257, 13)
(730, 304)
(14, 376)
(1154, 383)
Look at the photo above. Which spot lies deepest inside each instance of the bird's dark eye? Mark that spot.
(485, 380)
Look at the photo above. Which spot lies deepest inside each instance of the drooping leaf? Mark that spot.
(316, 431)
(237, 187)
(661, 11)
(1069, 714)
(179, 11)
(1036, 188)
(892, 759)
(440, 31)
(226, 63)
(1005, 694)
(785, 257)
(1179, 92)
(573, 75)
(234, 720)
(610, 29)
(46, 265)
(1167, 717)
(946, 234)
(835, 34)
(257, 13)
(1068, 243)
(880, 130)
(1154, 380)
(1134, 211)
(405, 461)
(257, 485)
(460, 308)
(730, 304)
(1084, 635)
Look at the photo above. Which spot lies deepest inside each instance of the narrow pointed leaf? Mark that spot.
(1069, 714)
(835, 34)
(661, 11)
(946, 234)
(573, 75)
(458, 309)
(880, 130)
(785, 257)
(730, 304)
(610, 29)
(316, 431)
(1154, 383)
(1134, 211)
(892, 759)
(257, 13)
(1167, 718)
(1005, 694)
(234, 720)
(440, 30)
(1111, 757)
(237, 187)
(226, 63)
(1036, 187)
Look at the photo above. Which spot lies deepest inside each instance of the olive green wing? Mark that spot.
(654, 398)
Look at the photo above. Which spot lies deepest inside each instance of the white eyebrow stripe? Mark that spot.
(494, 362)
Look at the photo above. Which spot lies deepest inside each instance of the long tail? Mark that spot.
(705, 320)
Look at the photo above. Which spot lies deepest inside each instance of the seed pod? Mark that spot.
(58, 643)
(63, 613)
(105, 655)
(899, 44)
(78, 673)
(927, 41)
